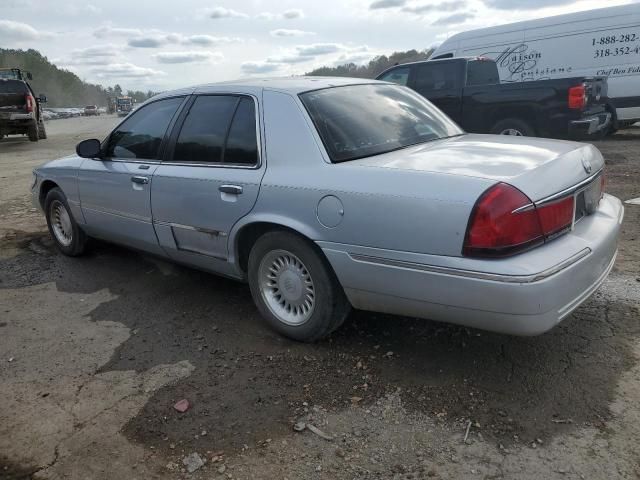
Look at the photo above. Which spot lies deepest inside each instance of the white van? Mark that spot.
(602, 42)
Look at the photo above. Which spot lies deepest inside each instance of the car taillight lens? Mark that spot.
(556, 216)
(29, 101)
(578, 97)
(505, 221)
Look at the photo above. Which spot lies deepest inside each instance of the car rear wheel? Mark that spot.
(42, 133)
(67, 235)
(513, 126)
(294, 288)
(32, 132)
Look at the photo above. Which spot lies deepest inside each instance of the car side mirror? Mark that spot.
(89, 148)
(42, 98)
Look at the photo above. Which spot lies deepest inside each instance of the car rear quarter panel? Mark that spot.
(64, 173)
(385, 208)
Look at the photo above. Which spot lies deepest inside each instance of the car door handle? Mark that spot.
(234, 189)
(140, 180)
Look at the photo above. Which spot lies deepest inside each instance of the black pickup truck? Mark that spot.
(470, 92)
(20, 109)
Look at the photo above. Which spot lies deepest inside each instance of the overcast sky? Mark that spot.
(158, 44)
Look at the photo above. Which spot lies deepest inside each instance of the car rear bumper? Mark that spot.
(591, 125)
(527, 294)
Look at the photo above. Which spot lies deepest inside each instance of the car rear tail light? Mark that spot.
(29, 102)
(557, 216)
(504, 221)
(578, 97)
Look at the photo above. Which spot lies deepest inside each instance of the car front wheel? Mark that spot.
(67, 235)
(294, 288)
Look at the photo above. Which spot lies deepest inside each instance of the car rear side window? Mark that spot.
(219, 128)
(12, 86)
(482, 72)
(242, 143)
(436, 76)
(397, 75)
(140, 135)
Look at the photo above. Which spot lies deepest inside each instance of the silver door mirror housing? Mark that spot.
(89, 148)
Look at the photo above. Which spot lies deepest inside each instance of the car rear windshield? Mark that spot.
(12, 86)
(359, 121)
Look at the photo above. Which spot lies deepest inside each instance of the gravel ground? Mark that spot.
(95, 351)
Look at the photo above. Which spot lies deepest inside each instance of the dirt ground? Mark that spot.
(95, 351)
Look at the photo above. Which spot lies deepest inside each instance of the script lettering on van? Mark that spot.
(518, 60)
(522, 63)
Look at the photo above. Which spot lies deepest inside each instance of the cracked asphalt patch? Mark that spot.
(102, 346)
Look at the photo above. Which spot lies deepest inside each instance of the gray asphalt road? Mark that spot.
(95, 351)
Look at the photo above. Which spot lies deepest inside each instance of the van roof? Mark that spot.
(599, 13)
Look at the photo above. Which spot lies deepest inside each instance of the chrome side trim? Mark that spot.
(208, 231)
(496, 277)
(117, 213)
(571, 190)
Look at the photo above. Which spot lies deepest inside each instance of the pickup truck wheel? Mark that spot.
(32, 132)
(42, 133)
(513, 126)
(294, 289)
(67, 235)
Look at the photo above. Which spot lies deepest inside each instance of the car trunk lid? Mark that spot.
(538, 167)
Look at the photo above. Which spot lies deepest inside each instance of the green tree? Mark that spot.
(375, 67)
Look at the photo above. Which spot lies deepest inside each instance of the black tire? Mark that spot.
(78, 241)
(42, 132)
(513, 124)
(32, 132)
(330, 306)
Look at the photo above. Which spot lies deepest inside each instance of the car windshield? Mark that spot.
(359, 121)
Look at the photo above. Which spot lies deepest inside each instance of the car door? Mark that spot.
(209, 179)
(440, 83)
(115, 190)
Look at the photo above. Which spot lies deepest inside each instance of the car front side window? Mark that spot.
(140, 135)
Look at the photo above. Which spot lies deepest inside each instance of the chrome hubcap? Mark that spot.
(512, 131)
(286, 287)
(61, 223)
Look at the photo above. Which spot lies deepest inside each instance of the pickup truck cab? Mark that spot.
(470, 92)
(20, 109)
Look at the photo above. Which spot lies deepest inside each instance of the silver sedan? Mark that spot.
(326, 194)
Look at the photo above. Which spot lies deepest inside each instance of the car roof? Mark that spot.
(291, 85)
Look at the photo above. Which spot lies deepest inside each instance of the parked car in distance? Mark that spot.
(470, 92)
(600, 42)
(91, 110)
(20, 108)
(331, 193)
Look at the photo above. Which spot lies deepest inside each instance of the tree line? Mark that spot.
(62, 87)
(375, 67)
